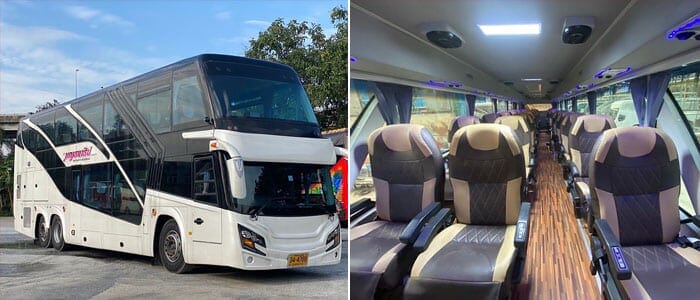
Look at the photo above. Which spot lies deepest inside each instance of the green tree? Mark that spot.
(320, 61)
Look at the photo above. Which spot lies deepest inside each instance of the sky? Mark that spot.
(42, 43)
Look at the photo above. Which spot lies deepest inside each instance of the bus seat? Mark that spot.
(476, 256)
(582, 137)
(524, 137)
(489, 118)
(460, 122)
(408, 173)
(635, 178)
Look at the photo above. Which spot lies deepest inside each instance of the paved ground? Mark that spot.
(27, 272)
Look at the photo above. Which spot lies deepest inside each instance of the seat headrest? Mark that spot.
(485, 137)
(460, 122)
(592, 123)
(400, 137)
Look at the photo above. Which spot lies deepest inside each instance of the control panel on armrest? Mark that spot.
(437, 223)
(413, 229)
(522, 228)
(616, 258)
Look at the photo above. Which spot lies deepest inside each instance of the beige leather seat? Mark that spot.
(524, 136)
(408, 173)
(583, 135)
(476, 256)
(460, 122)
(635, 181)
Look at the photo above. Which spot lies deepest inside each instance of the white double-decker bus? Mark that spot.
(213, 160)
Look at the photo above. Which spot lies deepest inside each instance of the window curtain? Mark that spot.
(591, 101)
(494, 101)
(656, 88)
(574, 102)
(638, 89)
(394, 101)
(471, 103)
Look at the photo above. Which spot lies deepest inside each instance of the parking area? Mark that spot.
(28, 272)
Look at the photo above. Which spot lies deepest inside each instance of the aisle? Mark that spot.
(557, 261)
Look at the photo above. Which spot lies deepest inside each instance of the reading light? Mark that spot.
(511, 29)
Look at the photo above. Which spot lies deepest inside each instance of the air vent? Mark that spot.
(508, 83)
(441, 35)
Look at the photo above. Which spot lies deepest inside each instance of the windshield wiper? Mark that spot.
(254, 212)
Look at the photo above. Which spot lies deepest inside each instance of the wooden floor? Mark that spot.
(557, 261)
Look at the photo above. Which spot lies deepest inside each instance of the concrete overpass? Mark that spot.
(9, 125)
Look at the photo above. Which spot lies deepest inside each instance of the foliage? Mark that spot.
(6, 182)
(47, 105)
(320, 61)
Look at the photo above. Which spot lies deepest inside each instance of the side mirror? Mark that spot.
(236, 175)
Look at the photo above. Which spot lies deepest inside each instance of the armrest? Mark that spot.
(574, 170)
(522, 228)
(362, 204)
(620, 269)
(412, 230)
(431, 229)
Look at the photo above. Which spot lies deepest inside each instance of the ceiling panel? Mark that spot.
(506, 58)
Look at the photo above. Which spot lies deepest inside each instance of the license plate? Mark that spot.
(298, 260)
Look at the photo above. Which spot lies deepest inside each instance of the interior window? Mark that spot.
(582, 104)
(685, 87)
(483, 106)
(435, 110)
(361, 92)
(204, 180)
(615, 101)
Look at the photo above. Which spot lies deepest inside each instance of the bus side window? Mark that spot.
(153, 102)
(187, 98)
(204, 180)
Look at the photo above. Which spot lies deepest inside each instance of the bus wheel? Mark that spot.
(170, 248)
(57, 235)
(43, 238)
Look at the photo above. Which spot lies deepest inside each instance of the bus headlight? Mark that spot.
(333, 238)
(249, 240)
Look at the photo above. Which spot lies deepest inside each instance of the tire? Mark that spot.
(43, 236)
(170, 248)
(57, 235)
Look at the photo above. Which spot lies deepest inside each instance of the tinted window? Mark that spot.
(204, 180)
(137, 170)
(259, 92)
(65, 128)
(188, 105)
(361, 92)
(615, 101)
(90, 110)
(435, 110)
(685, 87)
(96, 187)
(177, 176)
(482, 106)
(114, 127)
(45, 123)
(155, 109)
(124, 204)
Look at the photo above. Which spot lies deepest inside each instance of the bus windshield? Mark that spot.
(258, 92)
(280, 189)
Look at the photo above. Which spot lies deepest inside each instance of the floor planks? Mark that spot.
(557, 262)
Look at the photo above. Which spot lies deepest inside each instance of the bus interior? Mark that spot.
(524, 149)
